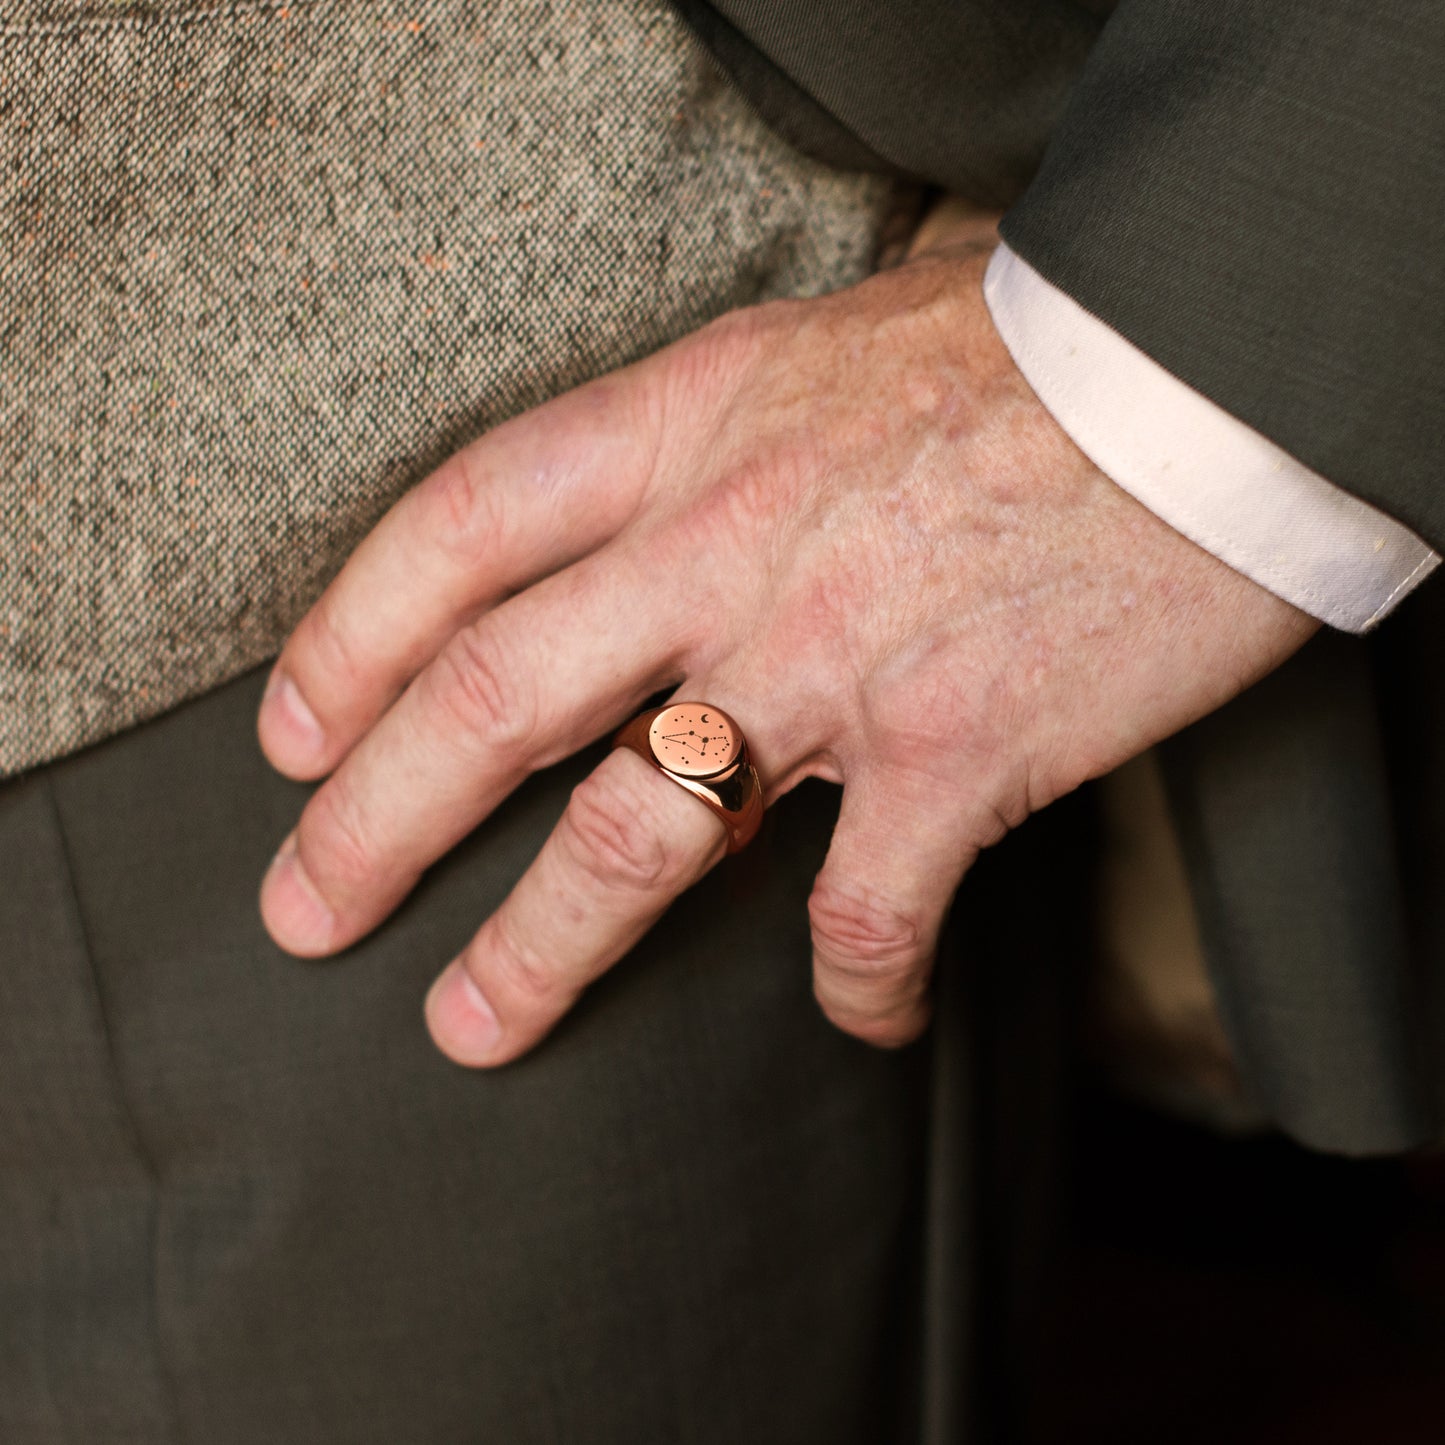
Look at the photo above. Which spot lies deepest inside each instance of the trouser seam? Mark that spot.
(144, 1154)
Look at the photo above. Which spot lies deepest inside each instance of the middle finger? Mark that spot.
(514, 691)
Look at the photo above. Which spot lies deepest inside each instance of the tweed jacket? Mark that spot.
(264, 264)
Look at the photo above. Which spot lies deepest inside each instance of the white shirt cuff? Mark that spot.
(1210, 476)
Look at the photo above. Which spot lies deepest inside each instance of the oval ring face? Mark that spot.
(694, 740)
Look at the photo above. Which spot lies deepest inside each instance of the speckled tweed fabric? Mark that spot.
(263, 266)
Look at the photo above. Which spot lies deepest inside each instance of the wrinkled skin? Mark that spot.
(848, 522)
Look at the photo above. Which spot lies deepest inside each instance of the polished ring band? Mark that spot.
(703, 750)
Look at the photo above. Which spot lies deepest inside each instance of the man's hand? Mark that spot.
(846, 521)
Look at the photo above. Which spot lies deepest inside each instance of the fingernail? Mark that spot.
(462, 1022)
(308, 924)
(284, 702)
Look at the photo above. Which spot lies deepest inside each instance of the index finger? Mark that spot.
(524, 500)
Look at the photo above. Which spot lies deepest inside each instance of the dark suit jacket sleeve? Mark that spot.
(1254, 194)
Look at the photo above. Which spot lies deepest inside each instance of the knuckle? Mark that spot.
(710, 365)
(475, 684)
(613, 838)
(329, 646)
(862, 936)
(753, 507)
(341, 856)
(514, 965)
(859, 925)
(746, 500)
(730, 341)
(460, 509)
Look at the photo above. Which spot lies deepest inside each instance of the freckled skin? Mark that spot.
(849, 522)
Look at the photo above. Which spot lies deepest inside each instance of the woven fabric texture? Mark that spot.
(263, 266)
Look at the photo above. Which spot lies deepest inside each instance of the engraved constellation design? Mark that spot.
(709, 746)
(698, 745)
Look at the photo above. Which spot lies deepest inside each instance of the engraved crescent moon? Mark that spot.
(703, 718)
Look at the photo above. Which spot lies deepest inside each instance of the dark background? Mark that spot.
(1209, 1289)
(1150, 1280)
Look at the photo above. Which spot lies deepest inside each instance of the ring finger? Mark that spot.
(628, 843)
